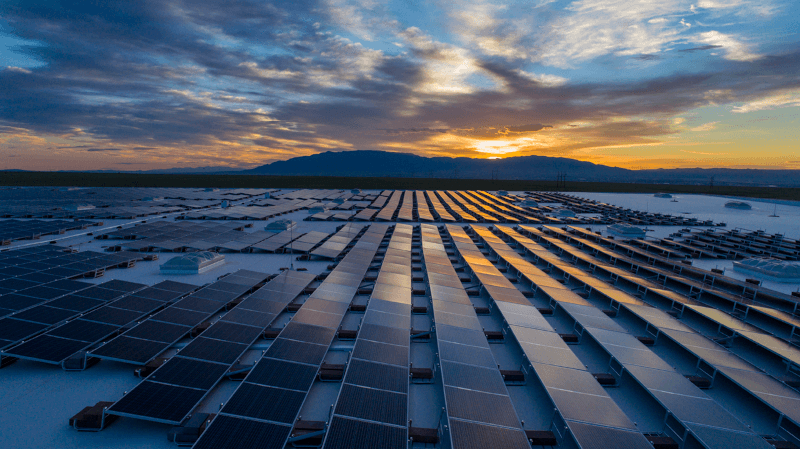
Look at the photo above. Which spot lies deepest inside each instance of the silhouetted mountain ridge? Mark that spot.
(386, 164)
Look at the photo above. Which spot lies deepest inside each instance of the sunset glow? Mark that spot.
(644, 85)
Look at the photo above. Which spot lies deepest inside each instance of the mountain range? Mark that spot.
(387, 164)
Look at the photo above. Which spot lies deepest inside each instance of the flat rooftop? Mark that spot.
(391, 318)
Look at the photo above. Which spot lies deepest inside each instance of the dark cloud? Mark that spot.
(527, 128)
(647, 57)
(703, 48)
(104, 149)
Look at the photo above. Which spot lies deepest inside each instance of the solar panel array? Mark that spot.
(334, 246)
(188, 377)
(611, 343)
(110, 203)
(27, 276)
(679, 397)
(154, 335)
(374, 394)
(182, 236)
(116, 305)
(714, 360)
(11, 230)
(263, 409)
(478, 405)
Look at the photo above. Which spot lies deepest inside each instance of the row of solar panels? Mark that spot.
(382, 348)
(478, 405)
(28, 276)
(679, 397)
(114, 309)
(145, 340)
(696, 411)
(189, 376)
(251, 212)
(11, 230)
(266, 406)
(703, 282)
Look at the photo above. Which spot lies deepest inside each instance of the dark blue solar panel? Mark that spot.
(481, 407)
(213, 350)
(247, 434)
(250, 317)
(297, 351)
(381, 352)
(189, 373)
(308, 333)
(377, 375)
(283, 374)
(112, 315)
(13, 330)
(267, 403)
(373, 405)
(355, 434)
(131, 349)
(158, 401)
(14, 301)
(158, 331)
(136, 303)
(45, 314)
(180, 316)
(473, 377)
(76, 303)
(199, 304)
(238, 333)
(82, 330)
(384, 334)
(47, 348)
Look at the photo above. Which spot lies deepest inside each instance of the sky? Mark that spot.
(148, 84)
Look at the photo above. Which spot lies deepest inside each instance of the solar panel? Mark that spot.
(216, 295)
(189, 373)
(373, 405)
(473, 378)
(481, 407)
(166, 403)
(384, 334)
(213, 350)
(182, 317)
(158, 294)
(83, 330)
(266, 403)
(44, 315)
(297, 351)
(75, 303)
(283, 374)
(238, 333)
(112, 315)
(243, 316)
(247, 434)
(158, 331)
(48, 349)
(102, 294)
(15, 301)
(473, 435)
(466, 354)
(308, 333)
(347, 433)
(381, 352)
(130, 349)
(377, 375)
(598, 437)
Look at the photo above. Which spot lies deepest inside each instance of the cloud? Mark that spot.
(187, 82)
(784, 99)
(705, 127)
(734, 49)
